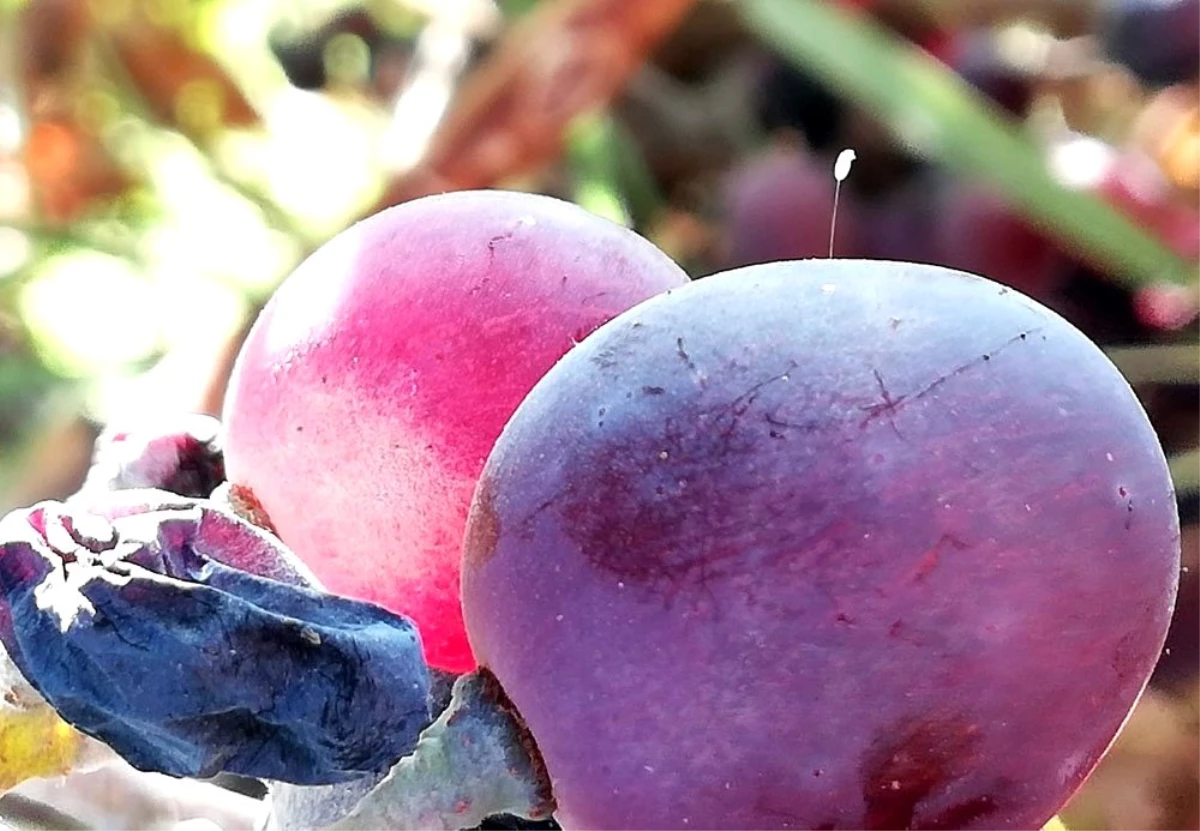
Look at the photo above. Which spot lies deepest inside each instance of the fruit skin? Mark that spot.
(371, 388)
(829, 544)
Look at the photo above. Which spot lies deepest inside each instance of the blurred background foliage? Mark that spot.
(165, 163)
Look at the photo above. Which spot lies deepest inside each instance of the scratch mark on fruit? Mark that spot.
(891, 406)
(929, 561)
(888, 408)
(700, 377)
(739, 406)
(684, 355)
(498, 238)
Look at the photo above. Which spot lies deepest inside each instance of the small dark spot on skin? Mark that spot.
(987, 357)
(324, 379)
(895, 322)
(1122, 491)
(1024, 335)
(817, 772)
(299, 429)
(842, 617)
(653, 390)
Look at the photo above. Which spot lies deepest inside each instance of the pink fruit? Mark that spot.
(373, 385)
(829, 544)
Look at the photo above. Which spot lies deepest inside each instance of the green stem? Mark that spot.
(475, 761)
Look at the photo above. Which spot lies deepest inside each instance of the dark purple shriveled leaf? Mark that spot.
(139, 632)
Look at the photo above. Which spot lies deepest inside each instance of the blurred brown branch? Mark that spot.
(565, 59)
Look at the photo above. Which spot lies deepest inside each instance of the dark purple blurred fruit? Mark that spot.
(899, 223)
(1158, 40)
(779, 205)
(980, 232)
(790, 99)
(976, 59)
(833, 544)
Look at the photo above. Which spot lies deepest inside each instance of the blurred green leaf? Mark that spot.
(516, 8)
(925, 103)
(592, 156)
(1185, 470)
(1177, 363)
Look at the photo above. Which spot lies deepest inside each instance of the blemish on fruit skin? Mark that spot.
(914, 762)
(893, 404)
(483, 525)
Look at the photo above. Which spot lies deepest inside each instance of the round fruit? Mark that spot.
(1158, 40)
(982, 233)
(828, 544)
(372, 387)
(779, 207)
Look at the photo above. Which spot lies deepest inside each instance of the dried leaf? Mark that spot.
(68, 169)
(563, 60)
(52, 37)
(135, 624)
(180, 84)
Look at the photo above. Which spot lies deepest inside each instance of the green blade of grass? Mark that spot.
(929, 106)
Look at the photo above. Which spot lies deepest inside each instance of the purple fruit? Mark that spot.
(1158, 40)
(779, 206)
(824, 544)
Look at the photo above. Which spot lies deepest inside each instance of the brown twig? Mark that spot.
(564, 59)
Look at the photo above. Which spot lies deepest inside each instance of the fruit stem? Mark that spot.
(478, 759)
